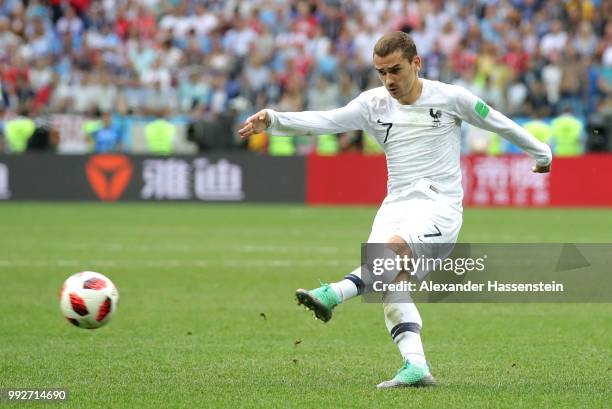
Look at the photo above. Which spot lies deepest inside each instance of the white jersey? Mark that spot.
(421, 141)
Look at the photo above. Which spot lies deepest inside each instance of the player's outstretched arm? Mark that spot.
(347, 118)
(476, 112)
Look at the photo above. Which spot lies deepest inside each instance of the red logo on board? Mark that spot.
(109, 175)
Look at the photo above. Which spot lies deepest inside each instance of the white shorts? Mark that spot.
(425, 224)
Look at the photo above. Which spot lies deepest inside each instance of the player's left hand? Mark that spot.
(541, 169)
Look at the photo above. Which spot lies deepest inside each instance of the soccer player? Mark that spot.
(417, 123)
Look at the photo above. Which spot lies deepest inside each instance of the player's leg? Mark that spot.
(322, 300)
(404, 324)
(429, 230)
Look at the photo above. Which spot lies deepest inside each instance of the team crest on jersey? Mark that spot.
(436, 117)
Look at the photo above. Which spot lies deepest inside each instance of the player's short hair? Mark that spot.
(394, 41)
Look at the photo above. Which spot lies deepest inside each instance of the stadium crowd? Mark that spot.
(532, 58)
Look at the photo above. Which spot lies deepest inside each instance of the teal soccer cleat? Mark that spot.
(321, 301)
(410, 375)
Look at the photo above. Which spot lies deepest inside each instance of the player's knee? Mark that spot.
(399, 246)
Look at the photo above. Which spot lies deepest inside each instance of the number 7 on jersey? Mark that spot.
(388, 125)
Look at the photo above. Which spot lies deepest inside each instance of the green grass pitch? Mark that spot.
(207, 317)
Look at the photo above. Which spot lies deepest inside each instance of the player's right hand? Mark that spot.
(541, 169)
(255, 124)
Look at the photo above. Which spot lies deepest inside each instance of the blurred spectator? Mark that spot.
(133, 96)
(44, 94)
(364, 44)
(219, 95)
(239, 38)
(160, 99)
(41, 74)
(18, 130)
(537, 101)
(256, 74)
(529, 37)
(157, 75)
(567, 134)
(45, 136)
(141, 56)
(194, 89)
(555, 41)
(493, 95)
(572, 78)
(144, 22)
(448, 39)
(204, 21)
(347, 90)
(176, 20)
(219, 59)
(585, 41)
(160, 134)
(83, 92)
(469, 81)
(516, 58)
(39, 41)
(20, 94)
(107, 137)
(105, 93)
(70, 23)
(423, 37)
(103, 39)
(323, 95)
(8, 39)
(552, 74)
(169, 55)
(264, 46)
(293, 98)
(517, 93)
(211, 131)
(540, 129)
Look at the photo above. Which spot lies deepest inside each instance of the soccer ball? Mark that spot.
(88, 300)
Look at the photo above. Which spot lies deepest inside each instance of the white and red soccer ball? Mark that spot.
(88, 299)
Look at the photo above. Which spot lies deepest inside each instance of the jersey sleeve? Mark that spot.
(476, 112)
(348, 118)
